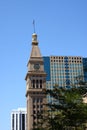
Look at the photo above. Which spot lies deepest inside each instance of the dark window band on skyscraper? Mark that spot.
(12, 121)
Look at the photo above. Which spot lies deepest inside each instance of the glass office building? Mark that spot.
(64, 70)
(18, 119)
(85, 68)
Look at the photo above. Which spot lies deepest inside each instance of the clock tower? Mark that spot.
(35, 83)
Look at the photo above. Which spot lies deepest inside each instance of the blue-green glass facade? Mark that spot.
(63, 70)
(47, 67)
(85, 68)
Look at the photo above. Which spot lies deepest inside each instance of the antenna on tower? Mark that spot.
(34, 25)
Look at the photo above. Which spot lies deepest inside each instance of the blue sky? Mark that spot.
(61, 26)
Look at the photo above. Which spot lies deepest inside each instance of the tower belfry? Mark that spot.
(35, 83)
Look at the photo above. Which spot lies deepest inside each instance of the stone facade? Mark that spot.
(35, 83)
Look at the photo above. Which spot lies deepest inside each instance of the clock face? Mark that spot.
(36, 66)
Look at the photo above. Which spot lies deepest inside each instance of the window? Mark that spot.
(34, 112)
(40, 83)
(38, 112)
(34, 117)
(37, 100)
(23, 122)
(41, 106)
(36, 83)
(37, 106)
(33, 83)
(34, 106)
(67, 76)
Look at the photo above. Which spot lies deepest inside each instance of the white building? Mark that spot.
(18, 119)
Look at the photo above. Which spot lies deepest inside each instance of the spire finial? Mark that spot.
(34, 25)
